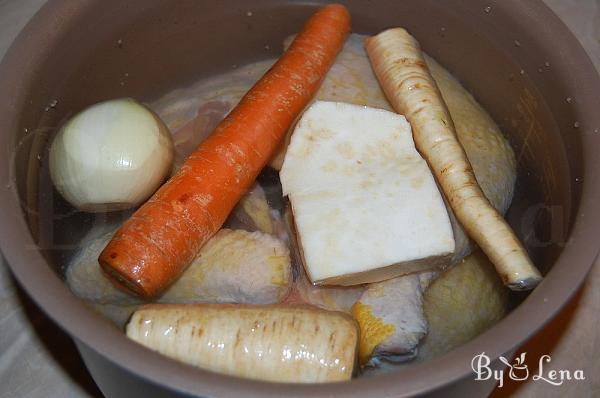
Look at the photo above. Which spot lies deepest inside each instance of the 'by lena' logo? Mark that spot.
(520, 372)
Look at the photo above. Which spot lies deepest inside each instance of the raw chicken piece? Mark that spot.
(192, 112)
(119, 314)
(445, 311)
(235, 266)
(391, 319)
(191, 134)
(253, 213)
(84, 276)
(462, 303)
(179, 106)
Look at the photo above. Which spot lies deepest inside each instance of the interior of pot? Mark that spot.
(167, 46)
(142, 49)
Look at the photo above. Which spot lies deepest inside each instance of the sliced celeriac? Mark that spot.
(332, 298)
(276, 343)
(111, 156)
(365, 204)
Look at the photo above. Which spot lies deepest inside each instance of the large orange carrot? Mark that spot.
(162, 238)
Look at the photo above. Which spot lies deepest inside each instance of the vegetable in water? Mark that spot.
(458, 306)
(399, 65)
(111, 156)
(365, 204)
(351, 79)
(467, 299)
(298, 344)
(162, 238)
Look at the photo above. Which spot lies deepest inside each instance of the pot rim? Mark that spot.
(89, 328)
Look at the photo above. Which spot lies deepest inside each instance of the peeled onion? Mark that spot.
(111, 156)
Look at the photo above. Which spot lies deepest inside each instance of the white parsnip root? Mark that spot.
(400, 67)
(300, 344)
